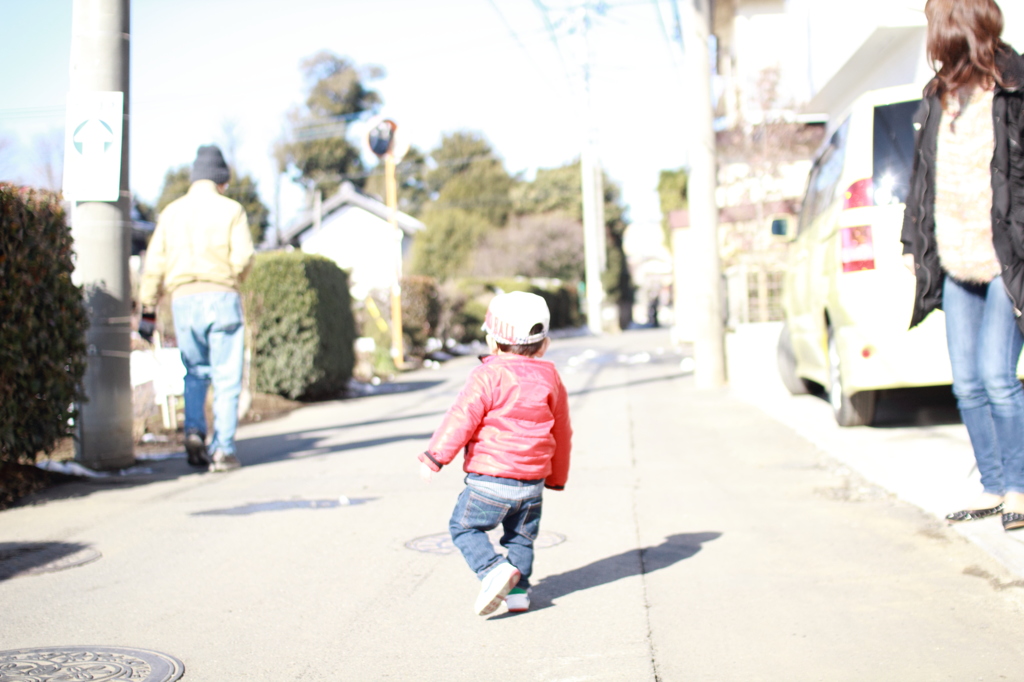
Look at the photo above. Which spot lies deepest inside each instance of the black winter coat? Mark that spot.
(918, 235)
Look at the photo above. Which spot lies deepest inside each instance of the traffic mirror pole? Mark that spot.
(391, 190)
(101, 232)
(382, 139)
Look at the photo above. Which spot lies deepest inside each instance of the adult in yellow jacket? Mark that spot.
(200, 252)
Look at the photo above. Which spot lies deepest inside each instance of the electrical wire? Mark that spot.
(554, 38)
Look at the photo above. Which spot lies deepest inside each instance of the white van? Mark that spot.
(847, 297)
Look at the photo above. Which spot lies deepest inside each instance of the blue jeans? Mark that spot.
(476, 513)
(211, 338)
(984, 347)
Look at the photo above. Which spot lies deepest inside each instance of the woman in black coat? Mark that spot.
(963, 236)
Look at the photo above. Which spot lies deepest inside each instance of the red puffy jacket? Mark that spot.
(512, 418)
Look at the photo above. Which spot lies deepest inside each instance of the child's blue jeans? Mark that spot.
(489, 501)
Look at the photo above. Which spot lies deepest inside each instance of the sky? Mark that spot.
(199, 67)
(508, 69)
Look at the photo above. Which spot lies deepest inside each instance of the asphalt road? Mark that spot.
(700, 537)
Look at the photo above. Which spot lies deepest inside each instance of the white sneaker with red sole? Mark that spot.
(496, 585)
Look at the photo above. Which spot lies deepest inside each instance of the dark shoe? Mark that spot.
(195, 447)
(975, 514)
(222, 461)
(1013, 521)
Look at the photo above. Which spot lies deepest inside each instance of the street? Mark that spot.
(711, 535)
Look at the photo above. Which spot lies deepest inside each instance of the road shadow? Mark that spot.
(903, 407)
(32, 558)
(923, 406)
(674, 549)
(252, 452)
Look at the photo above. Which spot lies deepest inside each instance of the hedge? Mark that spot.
(42, 337)
(469, 305)
(299, 314)
(421, 311)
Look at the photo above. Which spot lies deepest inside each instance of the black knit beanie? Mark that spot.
(209, 165)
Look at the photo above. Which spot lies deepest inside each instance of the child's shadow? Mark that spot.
(674, 549)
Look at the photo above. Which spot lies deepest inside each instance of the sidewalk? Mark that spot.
(928, 463)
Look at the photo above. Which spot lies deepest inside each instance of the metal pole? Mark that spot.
(391, 190)
(709, 340)
(102, 233)
(592, 187)
(591, 243)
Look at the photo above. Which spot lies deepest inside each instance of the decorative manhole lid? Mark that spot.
(31, 558)
(88, 664)
(441, 543)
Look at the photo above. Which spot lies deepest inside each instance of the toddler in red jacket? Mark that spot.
(512, 421)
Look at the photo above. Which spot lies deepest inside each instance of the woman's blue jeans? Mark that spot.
(211, 338)
(984, 347)
(476, 513)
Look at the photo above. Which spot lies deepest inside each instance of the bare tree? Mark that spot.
(48, 151)
(230, 138)
(7, 149)
(535, 245)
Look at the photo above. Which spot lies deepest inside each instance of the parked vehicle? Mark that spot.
(847, 297)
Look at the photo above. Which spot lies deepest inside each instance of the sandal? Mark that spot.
(975, 514)
(1013, 521)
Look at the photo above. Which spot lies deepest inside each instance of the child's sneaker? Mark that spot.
(518, 600)
(496, 585)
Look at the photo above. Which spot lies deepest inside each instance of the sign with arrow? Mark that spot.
(92, 146)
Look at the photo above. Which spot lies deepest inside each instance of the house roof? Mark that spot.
(349, 195)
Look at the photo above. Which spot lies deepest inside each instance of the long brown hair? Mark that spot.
(963, 37)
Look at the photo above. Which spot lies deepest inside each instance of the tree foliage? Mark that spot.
(444, 250)
(671, 195)
(410, 176)
(317, 150)
(240, 188)
(470, 196)
(557, 190)
(468, 175)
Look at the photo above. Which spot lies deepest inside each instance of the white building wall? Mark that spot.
(360, 243)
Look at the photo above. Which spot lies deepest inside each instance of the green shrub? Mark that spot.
(421, 312)
(299, 311)
(42, 335)
(467, 304)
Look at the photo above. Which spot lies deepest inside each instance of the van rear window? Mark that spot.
(894, 152)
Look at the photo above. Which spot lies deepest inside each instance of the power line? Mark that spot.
(56, 111)
(554, 38)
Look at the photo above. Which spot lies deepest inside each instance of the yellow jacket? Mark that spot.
(201, 243)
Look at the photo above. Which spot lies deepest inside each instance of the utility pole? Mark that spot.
(591, 178)
(709, 339)
(101, 231)
(592, 186)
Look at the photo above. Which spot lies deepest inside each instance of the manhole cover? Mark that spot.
(88, 664)
(25, 558)
(441, 543)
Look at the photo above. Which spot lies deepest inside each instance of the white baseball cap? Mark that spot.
(511, 317)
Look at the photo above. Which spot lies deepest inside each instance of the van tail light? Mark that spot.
(857, 250)
(859, 194)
